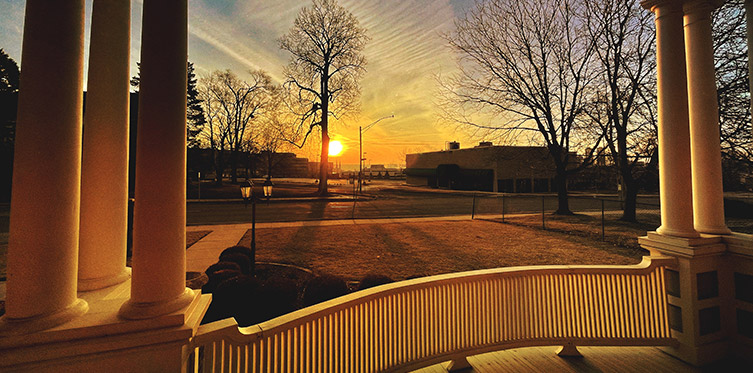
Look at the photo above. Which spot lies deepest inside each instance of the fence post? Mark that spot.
(543, 221)
(602, 220)
(473, 210)
(503, 208)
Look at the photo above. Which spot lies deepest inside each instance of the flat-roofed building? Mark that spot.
(486, 167)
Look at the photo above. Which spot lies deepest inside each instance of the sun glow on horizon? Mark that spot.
(335, 148)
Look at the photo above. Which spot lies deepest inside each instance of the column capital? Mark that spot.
(684, 4)
(655, 5)
(700, 7)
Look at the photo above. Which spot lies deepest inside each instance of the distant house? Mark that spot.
(486, 167)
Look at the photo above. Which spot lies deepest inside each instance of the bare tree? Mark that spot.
(731, 64)
(530, 61)
(217, 129)
(234, 104)
(625, 37)
(268, 137)
(326, 43)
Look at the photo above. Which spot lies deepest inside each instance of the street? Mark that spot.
(388, 200)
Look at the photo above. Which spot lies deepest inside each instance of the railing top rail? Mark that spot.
(228, 328)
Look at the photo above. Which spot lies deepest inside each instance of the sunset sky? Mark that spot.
(405, 54)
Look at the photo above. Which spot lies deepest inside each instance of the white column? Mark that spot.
(44, 218)
(104, 173)
(706, 153)
(159, 224)
(675, 191)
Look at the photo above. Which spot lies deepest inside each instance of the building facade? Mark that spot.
(486, 167)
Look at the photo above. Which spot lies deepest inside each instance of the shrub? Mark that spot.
(238, 250)
(234, 297)
(323, 288)
(220, 266)
(371, 280)
(277, 296)
(242, 260)
(217, 277)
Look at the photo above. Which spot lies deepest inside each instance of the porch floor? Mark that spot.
(595, 359)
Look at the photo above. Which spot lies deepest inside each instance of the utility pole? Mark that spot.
(361, 130)
(360, 158)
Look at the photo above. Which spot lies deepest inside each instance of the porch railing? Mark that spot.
(420, 322)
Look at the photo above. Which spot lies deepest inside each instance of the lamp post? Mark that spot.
(247, 191)
(361, 130)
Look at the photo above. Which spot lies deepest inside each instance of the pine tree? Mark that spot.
(194, 111)
(8, 73)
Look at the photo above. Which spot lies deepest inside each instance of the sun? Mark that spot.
(335, 148)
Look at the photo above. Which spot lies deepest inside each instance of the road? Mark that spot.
(385, 200)
(390, 201)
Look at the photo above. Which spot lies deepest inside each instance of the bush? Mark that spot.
(234, 297)
(242, 260)
(220, 266)
(277, 297)
(371, 280)
(217, 277)
(323, 288)
(238, 250)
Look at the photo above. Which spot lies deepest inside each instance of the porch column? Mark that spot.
(675, 191)
(159, 223)
(104, 173)
(44, 220)
(706, 154)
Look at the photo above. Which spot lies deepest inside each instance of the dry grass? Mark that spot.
(194, 237)
(617, 233)
(411, 249)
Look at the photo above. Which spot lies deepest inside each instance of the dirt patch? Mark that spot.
(416, 249)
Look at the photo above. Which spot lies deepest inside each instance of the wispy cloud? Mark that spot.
(405, 52)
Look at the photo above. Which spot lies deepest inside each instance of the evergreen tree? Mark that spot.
(8, 103)
(194, 111)
(8, 73)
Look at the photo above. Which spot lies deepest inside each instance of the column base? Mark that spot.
(89, 284)
(15, 327)
(719, 230)
(698, 295)
(664, 231)
(100, 341)
(138, 311)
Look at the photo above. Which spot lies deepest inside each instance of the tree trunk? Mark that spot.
(219, 166)
(560, 182)
(269, 164)
(630, 190)
(323, 169)
(324, 159)
(234, 166)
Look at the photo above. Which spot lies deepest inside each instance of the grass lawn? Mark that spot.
(419, 249)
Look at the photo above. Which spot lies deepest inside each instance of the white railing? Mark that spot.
(415, 323)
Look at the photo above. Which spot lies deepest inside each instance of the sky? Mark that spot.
(405, 55)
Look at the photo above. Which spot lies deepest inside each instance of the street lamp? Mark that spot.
(360, 148)
(247, 191)
(268, 188)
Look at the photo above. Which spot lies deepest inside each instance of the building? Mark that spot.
(513, 169)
